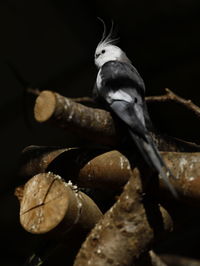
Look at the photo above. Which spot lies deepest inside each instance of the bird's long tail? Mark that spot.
(153, 158)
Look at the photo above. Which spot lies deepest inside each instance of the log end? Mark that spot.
(44, 204)
(45, 106)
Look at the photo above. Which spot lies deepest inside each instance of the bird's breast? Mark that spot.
(99, 80)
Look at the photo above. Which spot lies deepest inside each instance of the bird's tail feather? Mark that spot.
(153, 159)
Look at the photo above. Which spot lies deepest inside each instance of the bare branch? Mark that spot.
(172, 97)
(97, 168)
(51, 206)
(94, 124)
(127, 230)
(169, 96)
(111, 169)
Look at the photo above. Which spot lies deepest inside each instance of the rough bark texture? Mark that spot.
(50, 203)
(98, 168)
(94, 124)
(185, 168)
(127, 230)
(68, 114)
(87, 167)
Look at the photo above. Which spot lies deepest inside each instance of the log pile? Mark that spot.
(102, 204)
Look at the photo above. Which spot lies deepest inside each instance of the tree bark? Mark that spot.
(51, 106)
(127, 230)
(94, 124)
(101, 168)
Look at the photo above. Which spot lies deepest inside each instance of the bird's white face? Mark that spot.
(108, 52)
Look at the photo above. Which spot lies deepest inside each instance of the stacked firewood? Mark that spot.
(100, 203)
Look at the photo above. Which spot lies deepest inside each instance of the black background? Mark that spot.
(50, 45)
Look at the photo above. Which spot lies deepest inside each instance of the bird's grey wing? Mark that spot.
(142, 139)
(117, 73)
(127, 104)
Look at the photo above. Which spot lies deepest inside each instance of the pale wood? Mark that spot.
(48, 202)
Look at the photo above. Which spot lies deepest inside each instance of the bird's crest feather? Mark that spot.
(107, 40)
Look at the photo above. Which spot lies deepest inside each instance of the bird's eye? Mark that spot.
(103, 51)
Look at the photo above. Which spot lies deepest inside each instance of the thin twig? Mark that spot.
(172, 97)
(33, 91)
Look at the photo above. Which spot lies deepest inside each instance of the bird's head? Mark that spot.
(107, 50)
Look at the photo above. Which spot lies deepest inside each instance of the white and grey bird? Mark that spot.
(120, 88)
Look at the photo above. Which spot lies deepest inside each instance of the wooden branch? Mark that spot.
(185, 168)
(93, 124)
(83, 100)
(50, 206)
(169, 96)
(126, 231)
(36, 159)
(49, 203)
(172, 97)
(111, 169)
(65, 113)
(96, 168)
